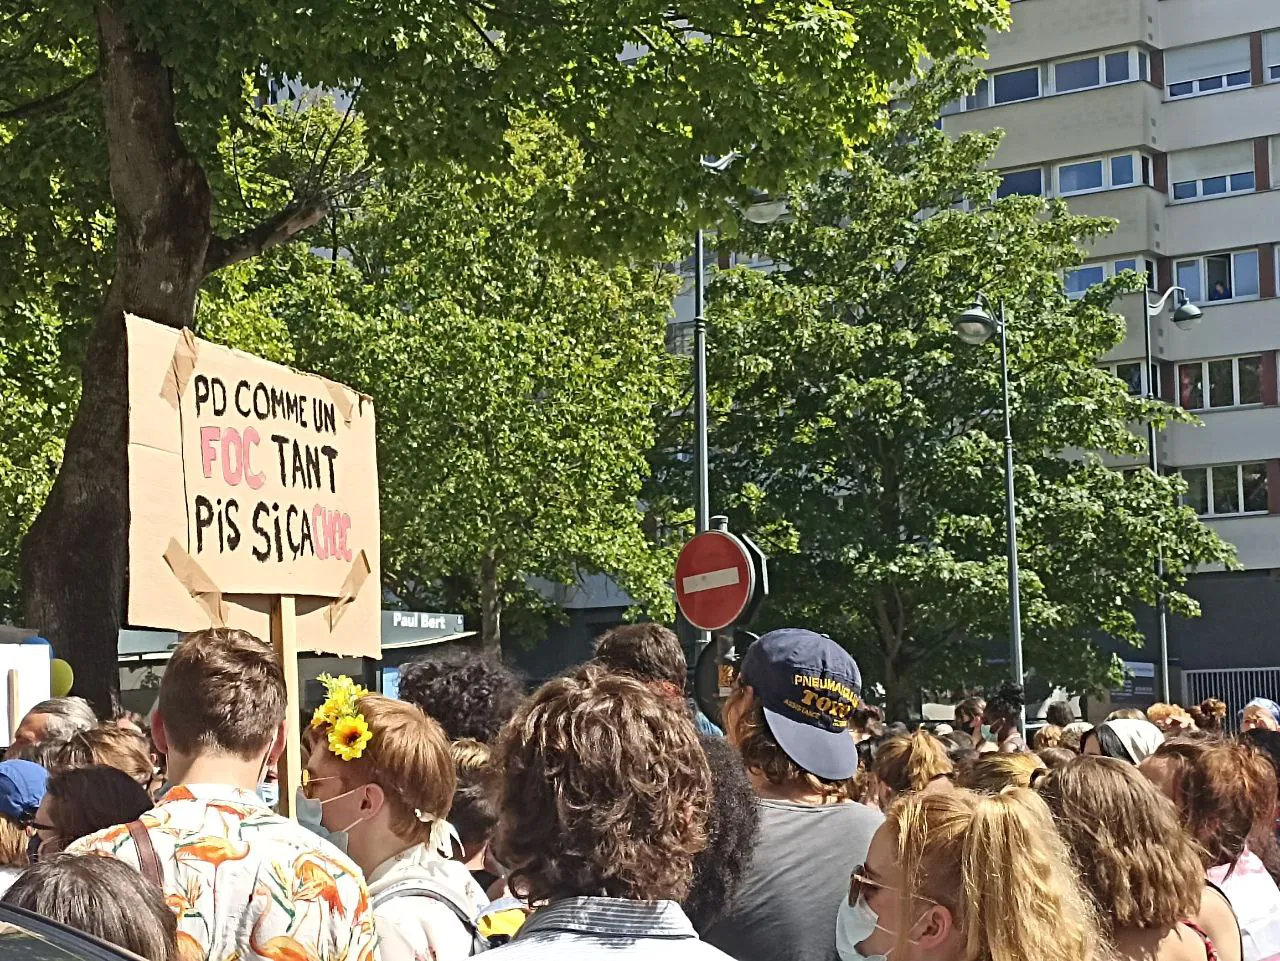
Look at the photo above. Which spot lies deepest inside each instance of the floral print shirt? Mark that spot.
(246, 883)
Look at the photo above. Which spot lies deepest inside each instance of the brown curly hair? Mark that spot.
(1209, 715)
(1134, 858)
(604, 792)
(761, 753)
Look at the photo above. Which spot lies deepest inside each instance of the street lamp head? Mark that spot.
(1186, 314)
(766, 211)
(974, 326)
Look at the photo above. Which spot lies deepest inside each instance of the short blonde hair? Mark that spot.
(909, 762)
(408, 757)
(1048, 736)
(997, 864)
(1134, 857)
(992, 773)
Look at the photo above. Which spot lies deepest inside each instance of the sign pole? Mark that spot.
(284, 637)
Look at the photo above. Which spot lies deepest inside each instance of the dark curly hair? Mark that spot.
(470, 692)
(1006, 703)
(733, 827)
(604, 792)
(648, 652)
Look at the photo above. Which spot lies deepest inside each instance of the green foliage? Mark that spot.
(514, 385)
(864, 442)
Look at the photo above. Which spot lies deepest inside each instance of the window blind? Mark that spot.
(1226, 158)
(1213, 59)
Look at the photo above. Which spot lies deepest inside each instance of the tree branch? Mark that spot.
(46, 103)
(283, 227)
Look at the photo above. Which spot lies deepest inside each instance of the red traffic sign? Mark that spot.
(715, 580)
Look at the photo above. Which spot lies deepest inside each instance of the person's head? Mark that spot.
(1222, 790)
(733, 827)
(1073, 735)
(789, 712)
(604, 790)
(109, 746)
(1058, 713)
(1260, 714)
(1048, 736)
(966, 876)
(1209, 715)
(22, 788)
(909, 763)
(969, 715)
(81, 801)
(1054, 757)
(396, 784)
(1136, 861)
(222, 696)
(102, 897)
(1129, 739)
(58, 719)
(650, 653)
(992, 773)
(1004, 706)
(868, 720)
(1172, 719)
(470, 693)
(1127, 714)
(475, 812)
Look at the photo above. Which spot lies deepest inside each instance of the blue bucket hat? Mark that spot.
(22, 785)
(808, 686)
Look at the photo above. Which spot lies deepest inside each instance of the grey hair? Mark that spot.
(102, 897)
(68, 716)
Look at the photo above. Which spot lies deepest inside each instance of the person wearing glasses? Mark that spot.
(961, 876)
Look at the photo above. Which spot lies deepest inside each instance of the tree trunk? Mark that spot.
(74, 558)
(490, 604)
(898, 695)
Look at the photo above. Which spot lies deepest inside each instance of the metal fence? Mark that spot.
(1236, 686)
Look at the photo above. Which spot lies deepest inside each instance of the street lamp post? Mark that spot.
(1185, 314)
(975, 326)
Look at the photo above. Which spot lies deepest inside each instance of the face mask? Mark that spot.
(269, 792)
(854, 924)
(310, 814)
(986, 732)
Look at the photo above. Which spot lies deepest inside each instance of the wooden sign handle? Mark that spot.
(14, 718)
(284, 636)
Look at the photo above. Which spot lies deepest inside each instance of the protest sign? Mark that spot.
(249, 481)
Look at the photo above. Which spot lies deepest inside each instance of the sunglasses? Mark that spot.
(860, 886)
(308, 782)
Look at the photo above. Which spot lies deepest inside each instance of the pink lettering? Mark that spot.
(317, 531)
(231, 445)
(254, 479)
(208, 453)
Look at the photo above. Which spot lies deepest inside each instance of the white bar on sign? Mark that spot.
(710, 580)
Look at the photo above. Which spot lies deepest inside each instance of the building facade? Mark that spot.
(1165, 115)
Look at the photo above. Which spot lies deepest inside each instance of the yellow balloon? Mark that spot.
(61, 677)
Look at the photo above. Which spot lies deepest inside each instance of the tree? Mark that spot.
(515, 385)
(863, 441)
(144, 90)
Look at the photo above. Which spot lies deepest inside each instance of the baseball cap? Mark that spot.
(22, 786)
(808, 686)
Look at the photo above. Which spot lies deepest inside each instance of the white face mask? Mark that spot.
(854, 924)
(310, 814)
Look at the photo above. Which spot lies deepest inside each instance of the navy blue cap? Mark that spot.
(21, 788)
(808, 686)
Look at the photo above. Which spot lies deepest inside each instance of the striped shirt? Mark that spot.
(587, 929)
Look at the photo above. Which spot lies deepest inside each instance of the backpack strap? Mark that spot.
(416, 889)
(148, 863)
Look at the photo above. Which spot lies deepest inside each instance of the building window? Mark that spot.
(1130, 371)
(1079, 280)
(1207, 67)
(1099, 173)
(1228, 382)
(1077, 74)
(1226, 490)
(1119, 66)
(1219, 277)
(1215, 171)
(1271, 55)
(1147, 267)
(1028, 183)
(1220, 185)
(1016, 85)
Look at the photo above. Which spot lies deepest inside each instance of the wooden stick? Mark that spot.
(14, 718)
(284, 636)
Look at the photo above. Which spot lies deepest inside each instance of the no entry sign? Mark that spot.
(715, 580)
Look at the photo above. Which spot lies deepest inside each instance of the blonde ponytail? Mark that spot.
(998, 864)
(909, 762)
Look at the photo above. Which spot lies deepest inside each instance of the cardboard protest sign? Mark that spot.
(248, 480)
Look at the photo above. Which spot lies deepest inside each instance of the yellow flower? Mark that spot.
(324, 715)
(348, 737)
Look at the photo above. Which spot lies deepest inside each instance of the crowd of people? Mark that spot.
(598, 816)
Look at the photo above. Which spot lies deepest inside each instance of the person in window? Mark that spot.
(1220, 291)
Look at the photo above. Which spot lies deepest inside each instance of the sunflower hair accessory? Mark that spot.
(349, 732)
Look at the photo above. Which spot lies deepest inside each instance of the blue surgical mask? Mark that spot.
(854, 924)
(310, 814)
(269, 792)
(986, 732)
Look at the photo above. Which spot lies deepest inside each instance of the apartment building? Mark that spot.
(1165, 115)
